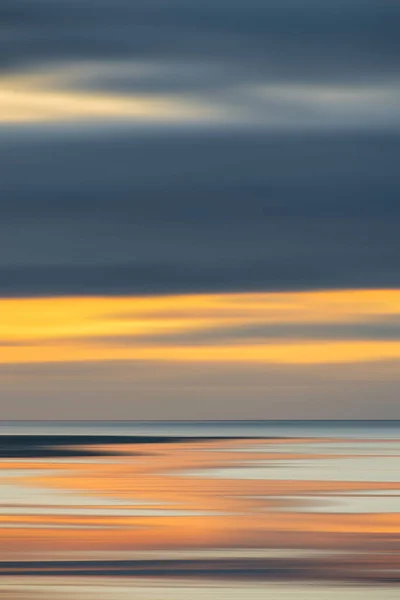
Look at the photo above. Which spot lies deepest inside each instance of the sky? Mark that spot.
(199, 209)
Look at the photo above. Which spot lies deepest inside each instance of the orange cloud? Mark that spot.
(123, 328)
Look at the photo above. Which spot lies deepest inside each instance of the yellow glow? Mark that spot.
(30, 105)
(47, 96)
(121, 328)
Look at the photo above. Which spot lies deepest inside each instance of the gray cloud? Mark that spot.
(114, 212)
(259, 333)
(281, 39)
(279, 64)
(262, 333)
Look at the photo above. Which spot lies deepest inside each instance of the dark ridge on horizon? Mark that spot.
(57, 446)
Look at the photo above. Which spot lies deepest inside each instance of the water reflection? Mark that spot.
(169, 513)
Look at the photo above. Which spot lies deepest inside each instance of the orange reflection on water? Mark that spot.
(165, 496)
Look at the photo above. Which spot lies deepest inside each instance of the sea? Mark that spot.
(200, 510)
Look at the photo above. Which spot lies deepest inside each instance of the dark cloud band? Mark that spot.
(163, 213)
(279, 39)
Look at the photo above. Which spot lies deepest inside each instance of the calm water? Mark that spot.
(195, 510)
